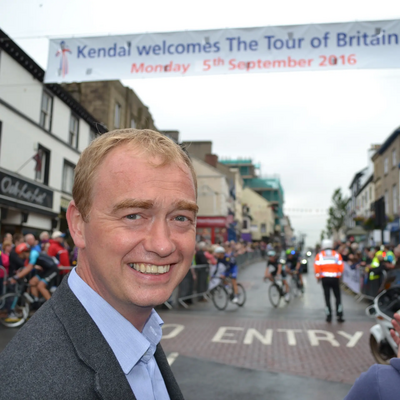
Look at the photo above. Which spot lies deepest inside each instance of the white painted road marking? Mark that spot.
(172, 357)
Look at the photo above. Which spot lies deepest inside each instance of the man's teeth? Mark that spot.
(150, 269)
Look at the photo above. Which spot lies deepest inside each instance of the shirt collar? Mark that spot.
(128, 344)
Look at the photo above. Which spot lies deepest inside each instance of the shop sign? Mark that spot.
(211, 221)
(22, 190)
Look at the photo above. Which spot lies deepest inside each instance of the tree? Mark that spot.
(337, 213)
(322, 236)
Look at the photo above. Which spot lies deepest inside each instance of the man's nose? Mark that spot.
(159, 239)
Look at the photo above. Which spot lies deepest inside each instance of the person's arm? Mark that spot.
(298, 265)
(279, 270)
(25, 271)
(64, 258)
(317, 268)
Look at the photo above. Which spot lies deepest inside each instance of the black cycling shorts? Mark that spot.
(47, 276)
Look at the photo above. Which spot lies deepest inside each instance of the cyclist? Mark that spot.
(45, 270)
(294, 265)
(277, 268)
(230, 268)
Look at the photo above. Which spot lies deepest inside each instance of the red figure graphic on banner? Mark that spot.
(63, 70)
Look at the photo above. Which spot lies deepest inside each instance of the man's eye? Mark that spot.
(181, 218)
(133, 216)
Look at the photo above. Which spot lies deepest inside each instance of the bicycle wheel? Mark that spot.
(220, 297)
(274, 295)
(20, 310)
(241, 295)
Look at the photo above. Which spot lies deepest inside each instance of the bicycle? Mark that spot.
(276, 291)
(296, 286)
(19, 301)
(223, 293)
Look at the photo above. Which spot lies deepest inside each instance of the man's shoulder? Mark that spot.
(40, 354)
(369, 385)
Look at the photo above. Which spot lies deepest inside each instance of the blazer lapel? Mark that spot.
(90, 345)
(166, 372)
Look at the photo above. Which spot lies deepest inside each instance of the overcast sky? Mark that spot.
(313, 129)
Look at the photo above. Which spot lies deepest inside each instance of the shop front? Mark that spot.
(26, 207)
(212, 229)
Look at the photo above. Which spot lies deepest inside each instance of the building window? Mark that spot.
(263, 228)
(68, 177)
(394, 197)
(117, 116)
(386, 166)
(46, 111)
(73, 131)
(386, 202)
(42, 168)
(133, 124)
(394, 158)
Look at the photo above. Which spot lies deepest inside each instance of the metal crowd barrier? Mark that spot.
(185, 290)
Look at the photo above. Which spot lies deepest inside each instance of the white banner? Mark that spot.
(351, 278)
(318, 47)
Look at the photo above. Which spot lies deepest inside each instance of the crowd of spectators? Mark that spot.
(55, 246)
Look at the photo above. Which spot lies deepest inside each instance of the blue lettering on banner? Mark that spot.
(364, 39)
(179, 48)
(103, 52)
(279, 44)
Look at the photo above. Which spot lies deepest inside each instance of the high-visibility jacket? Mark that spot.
(375, 264)
(328, 264)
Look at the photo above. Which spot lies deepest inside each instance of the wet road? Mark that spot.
(261, 352)
(267, 353)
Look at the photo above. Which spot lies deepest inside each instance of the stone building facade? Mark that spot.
(112, 103)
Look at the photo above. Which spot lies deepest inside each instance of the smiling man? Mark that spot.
(133, 219)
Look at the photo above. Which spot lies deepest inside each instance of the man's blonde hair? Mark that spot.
(146, 141)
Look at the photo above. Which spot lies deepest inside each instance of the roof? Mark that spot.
(357, 175)
(387, 143)
(14, 51)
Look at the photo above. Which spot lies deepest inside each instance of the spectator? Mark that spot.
(15, 261)
(31, 241)
(209, 254)
(57, 249)
(5, 262)
(7, 238)
(43, 239)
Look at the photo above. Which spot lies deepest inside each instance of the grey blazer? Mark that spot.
(60, 354)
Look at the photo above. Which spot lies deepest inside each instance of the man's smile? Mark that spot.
(150, 268)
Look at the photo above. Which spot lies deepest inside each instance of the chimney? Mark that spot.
(211, 159)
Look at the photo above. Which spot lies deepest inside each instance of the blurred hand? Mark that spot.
(396, 331)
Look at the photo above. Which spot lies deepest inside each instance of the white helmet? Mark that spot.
(219, 249)
(327, 244)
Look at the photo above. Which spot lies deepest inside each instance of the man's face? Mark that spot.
(142, 218)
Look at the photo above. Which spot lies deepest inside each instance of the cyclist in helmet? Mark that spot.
(294, 265)
(274, 268)
(45, 268)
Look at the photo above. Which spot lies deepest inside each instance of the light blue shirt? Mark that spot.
(133, 350)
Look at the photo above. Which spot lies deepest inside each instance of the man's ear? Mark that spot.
(76, 225)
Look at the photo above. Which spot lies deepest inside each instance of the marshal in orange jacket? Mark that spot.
(328, 264)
